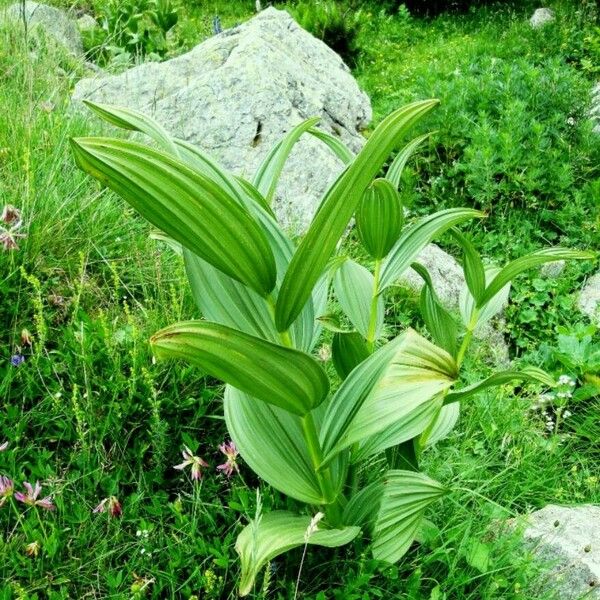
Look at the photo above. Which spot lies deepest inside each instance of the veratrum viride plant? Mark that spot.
(261, 299)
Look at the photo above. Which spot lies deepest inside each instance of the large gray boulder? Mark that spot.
(589, 299)
(56, 23)
(236, 94)
(566, 540)
(541, 17)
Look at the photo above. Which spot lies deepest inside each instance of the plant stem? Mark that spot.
(373, 314)
(333, 509)
(467, 339)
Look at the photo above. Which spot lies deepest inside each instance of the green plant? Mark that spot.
(336, 24)
(260, 297)
(131, 29)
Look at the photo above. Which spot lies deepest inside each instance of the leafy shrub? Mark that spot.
(136, 28)
(336, 24)
(260, 297)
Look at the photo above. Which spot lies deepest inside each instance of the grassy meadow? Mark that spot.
(87, 412)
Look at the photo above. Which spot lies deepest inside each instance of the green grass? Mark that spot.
(90, 415)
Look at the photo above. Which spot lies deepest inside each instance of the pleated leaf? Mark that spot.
(348, 350)
(406, 497)
(269, 171)
(133, 120)
(277, 532)
(394, 172)
(362, 507)
(353, 285)
(271, 442)
(472, 266)
(396, 383)
(519, 265)
(442, 425)
(337, 209)
(501, 378)
(439, 322)
(335, 145)
(416, 237)
(466, 303)
(379, 218)
(275, 374)
(187, 206)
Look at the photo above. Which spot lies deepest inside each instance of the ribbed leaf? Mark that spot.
(348, 350)
(276, 533)
(394, 172)
(416, 237)
(466, 303)
(535, 259)
(187, 206)
(391, 385)
(362, 508)
(440, 323)
(379, 218)
(472, 266)
(270, 169)
(353, 285)
(336, 210)
(335, 145)
(442, 425)
(271, 442)
(281, 376)
(133, 120)
(406, 496)
(525, 374)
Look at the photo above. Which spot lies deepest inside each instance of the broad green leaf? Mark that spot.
(271, 442)
(472, 266)
(471, 317)
(275, 374)
(348, 350)
(440, 323)
(412, 420)
(535, 259)
(394, 172)
(335, 145)
(187, 206)
(406, 496)
(224, 300)
(133, 120)
(441, 426)
(525, 374)
(159, 236)
(362, 507)
(353, 285)
(379, 218)
(397, 382)
(270, 169)
(416, 237)
(277, 532)
(337, 209)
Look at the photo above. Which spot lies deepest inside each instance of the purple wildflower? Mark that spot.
(231, 452)
(17, 359)
(194, 461)
(31, 497)
(6, 489)
(112, 504)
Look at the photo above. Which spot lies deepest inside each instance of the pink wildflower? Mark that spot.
(11, 215)
(195, 461)
(3, 446)
(31, 497)
(111, 504)
(6, 489)
(231, 452)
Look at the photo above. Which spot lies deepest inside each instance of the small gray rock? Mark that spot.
(567, 541)
(553, 269)
(238, 93)
(86, 23)
(589, 299)
(595, 107)
(541, 17)
(57, 23)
